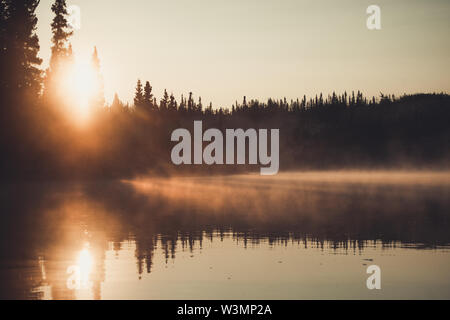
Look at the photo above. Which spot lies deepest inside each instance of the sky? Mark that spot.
(223, 50)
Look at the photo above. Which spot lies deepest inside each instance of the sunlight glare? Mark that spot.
(85, 263)
(81, 85)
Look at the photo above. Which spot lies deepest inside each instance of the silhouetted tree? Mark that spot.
(199, 107)
(139, 95)
(61, 33)
(190, 104)
(172, 103)
(148, 96)
(21, 76)
(209, 110)
(61, 51)
(164, 104)
(182, 107)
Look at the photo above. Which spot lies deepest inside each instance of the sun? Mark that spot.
(80, 86)
(85, 263)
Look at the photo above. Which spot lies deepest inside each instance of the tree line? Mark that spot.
(324, 131)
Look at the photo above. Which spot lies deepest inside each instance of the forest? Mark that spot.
(41, 139)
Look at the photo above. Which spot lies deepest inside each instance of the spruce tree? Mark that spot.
(139, 95)
(61, 33)
(190, 107)
(199, 107)
(61, 50)
(164, 104)
(172, 103)
(21, 76)
(182, 107)
(148, 96)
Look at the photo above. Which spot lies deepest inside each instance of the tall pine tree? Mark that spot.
(139, 95)
(164, 104)
(172, 103)
(148, 96)
(21, 76)
(61, 33)
(61, 51)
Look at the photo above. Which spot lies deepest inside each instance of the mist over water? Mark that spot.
(294, 235)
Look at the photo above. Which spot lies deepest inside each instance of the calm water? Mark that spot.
(292, 236)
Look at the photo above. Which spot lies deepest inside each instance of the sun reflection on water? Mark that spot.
(85, 263)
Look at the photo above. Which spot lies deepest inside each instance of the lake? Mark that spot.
(297, 235)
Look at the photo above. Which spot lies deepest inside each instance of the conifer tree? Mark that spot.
(182, 107)
(199, 107)
(19, 50)
(61, 33)
(209, 110)
(61, 51)
(139, 95)
(164, 102)
(190, 104)
(148, 96)
(172, 103)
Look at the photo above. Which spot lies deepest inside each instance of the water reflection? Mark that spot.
(205, 237)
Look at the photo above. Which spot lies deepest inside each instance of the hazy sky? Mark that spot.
(225, 49)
